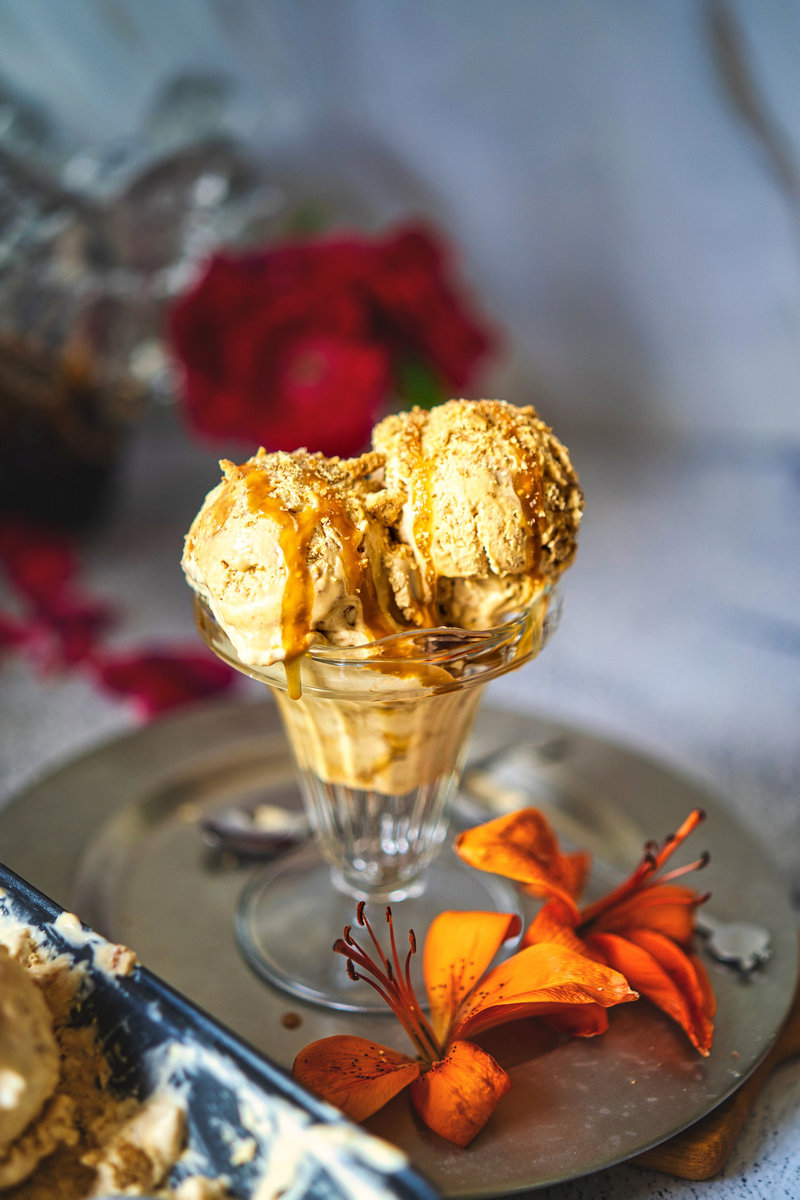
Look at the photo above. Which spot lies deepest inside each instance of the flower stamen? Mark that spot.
(412, 950)
(653, 859)
(391, 980)
(697, 865)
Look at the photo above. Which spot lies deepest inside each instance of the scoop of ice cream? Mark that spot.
(29, 1073)
(29, 1060)
(459, 516)
(285, 549)
(489, 504)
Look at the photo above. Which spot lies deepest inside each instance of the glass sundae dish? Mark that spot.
(376, 597)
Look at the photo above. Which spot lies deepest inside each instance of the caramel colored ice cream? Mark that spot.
(286, 551)
(29, 1065)
(64, 1133)
(489, 504)
(459, 516)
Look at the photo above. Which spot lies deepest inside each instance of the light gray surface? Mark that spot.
(679, 637)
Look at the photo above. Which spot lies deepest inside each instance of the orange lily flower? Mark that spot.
(455, 1085)
(643, 928)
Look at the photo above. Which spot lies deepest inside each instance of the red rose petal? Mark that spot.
(38, 561)
(158, 680)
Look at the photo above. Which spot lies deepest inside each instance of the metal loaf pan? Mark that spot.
(232, 1094)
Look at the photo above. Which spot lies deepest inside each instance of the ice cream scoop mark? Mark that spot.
(221, 510)
(526, 481)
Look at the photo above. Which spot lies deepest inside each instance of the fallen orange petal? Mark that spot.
(522, 846)
(682, 971)
(459, 1094)
(536, 980)
(647, 974)
(704, 983)
(551, 924)
(356, 1075)
(458, 949)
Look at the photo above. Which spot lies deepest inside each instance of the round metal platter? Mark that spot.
(113, 836)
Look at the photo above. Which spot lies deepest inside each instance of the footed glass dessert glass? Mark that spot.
(378, 734)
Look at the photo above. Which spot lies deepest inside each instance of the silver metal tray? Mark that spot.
(113, 837)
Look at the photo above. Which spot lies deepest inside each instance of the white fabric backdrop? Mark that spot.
(624, 221)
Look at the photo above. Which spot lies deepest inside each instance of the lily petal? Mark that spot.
(522, 846)
(458, 949)
(683, 972)
(356, 1075)
(578, 1020)
(553, 923)
(704, 983)
(667, 908)
(459, 1094)
(536, 981)
(661, 971)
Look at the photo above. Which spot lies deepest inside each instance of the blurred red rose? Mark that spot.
(301, 344)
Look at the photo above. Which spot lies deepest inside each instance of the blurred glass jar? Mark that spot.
(63, 402)
(95, 243)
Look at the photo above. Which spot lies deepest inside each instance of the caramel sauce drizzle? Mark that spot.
(296, 531)
(421, 498)
(422, 508)
(293, 684)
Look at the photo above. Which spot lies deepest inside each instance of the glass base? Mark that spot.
(290, 914)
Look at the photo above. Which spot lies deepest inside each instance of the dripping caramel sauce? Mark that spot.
(293, 685)
(422, 509)
(421, 497)
(296, 531)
